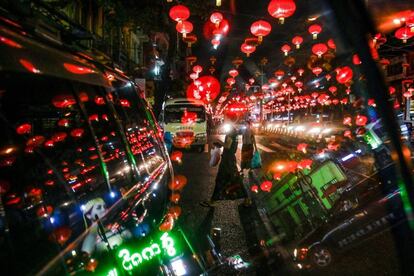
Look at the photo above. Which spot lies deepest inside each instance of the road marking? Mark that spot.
(263, 148)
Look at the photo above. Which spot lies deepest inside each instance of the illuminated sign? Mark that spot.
(372, 139)
(132, 259)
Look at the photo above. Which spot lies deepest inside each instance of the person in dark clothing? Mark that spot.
(227, 168)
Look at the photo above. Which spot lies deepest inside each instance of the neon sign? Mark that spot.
(131, 260)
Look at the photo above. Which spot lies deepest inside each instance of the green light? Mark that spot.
(372, 139)
(131, 260)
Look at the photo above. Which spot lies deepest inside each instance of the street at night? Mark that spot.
(206, 137)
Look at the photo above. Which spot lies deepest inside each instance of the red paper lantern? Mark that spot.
(184, 27)
(297, 40)
(344, 74)
(331, 44)
(266, 186)
(178, 182)
(332, 89)
(179, 13)
(314, 30)
(61, 235)
(197, 69)
(254, 189)
(207, 91)
(281, 9)
(317, 70)
(260, 29)
(24, 129)
(216, 18)
(319, 49)
(210, 30)
(361, 120)
(247, 49)
(286, 49)
(404, 34)
(356, 60)
(215, 42)
(230, 81)
(301, 71)
(234, 73)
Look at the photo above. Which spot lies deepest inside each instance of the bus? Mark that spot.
(186, 120)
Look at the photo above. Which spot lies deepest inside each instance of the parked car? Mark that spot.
(359, 214)
(83, 167)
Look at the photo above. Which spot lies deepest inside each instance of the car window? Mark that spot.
(50, 163)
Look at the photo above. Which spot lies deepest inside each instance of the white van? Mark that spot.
(186, 120)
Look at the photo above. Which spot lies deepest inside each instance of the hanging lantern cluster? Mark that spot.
(180, 14)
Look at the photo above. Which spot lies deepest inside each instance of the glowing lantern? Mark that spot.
(61, 235)
(207, 91)
(319, 49)
(301, 71)
(334, 146)
(361, 120)
(77, 133)
(193, 76)
(302, 147)
(24, 129)
(314, 30)
(176, 156)
(344, 74)
(184, 27)
(77, 69)
(167, 224)
(247, 49)
(175, 197)
(297, 40)
(175, 211)
(234, 73)
(408, 93)
(404, 34)
(391, 90)
(179, 13)
(63, 122)
(348, 134)
(260, 29)
(215, 42)
(266, 186)
(230, 81)
(59, 137)
(178, 182)
(281, 9)
(317, 70)
(251, 81)
(347, 121)
(44, 211)
(29, 66)
(356, 60)
(332, 89)
(211, 30)
(253, 41)
(63, 101)
(285, 49)
(254, 189)
(216, 18)
(198, 69)
(331, 44)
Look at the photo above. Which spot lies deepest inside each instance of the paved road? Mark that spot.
(242, 230)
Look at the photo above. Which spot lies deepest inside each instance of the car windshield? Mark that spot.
(184, 113)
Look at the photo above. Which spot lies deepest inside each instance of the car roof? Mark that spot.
(22, 52)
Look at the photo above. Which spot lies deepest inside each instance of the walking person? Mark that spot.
(227, 169)
(248, 147)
